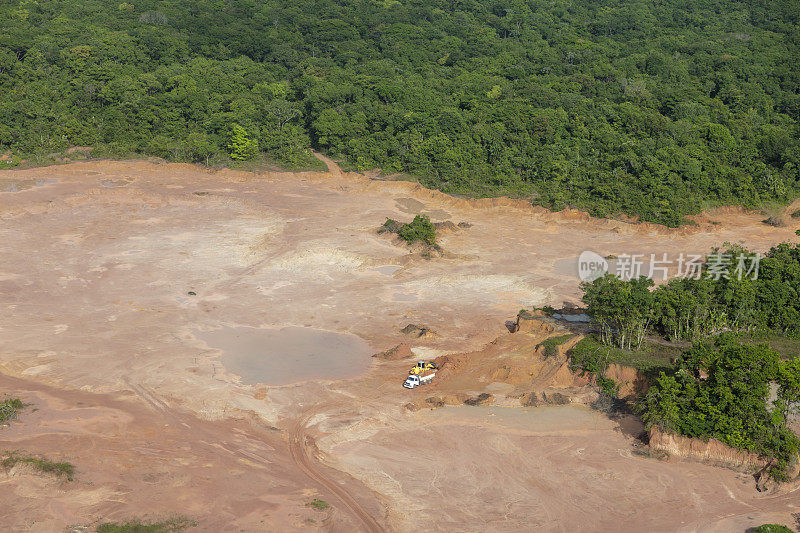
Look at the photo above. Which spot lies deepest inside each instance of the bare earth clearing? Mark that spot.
(100, 335)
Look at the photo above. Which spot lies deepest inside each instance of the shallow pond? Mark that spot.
(281, 356)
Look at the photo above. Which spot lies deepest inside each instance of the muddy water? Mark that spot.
(288, 355)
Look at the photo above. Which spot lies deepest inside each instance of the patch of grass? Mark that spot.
(651, 357)
(138, 526)
(796, 214)
(551, 345)
(50, 467)
(9, 409)
(785, 346)
(318, 505)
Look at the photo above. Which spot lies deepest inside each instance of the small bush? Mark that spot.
(419, 229)
(317, 504)
(9, 409)
(551, 345)
(772, 528)
(60, 469)
(796, 214)
(138, 526)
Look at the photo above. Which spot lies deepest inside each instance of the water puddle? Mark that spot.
(22, 185)
(387, 270)
(288, 355)
(404, 297)
(114, 183)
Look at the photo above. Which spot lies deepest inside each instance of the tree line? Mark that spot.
(693, 308)
(651, 109)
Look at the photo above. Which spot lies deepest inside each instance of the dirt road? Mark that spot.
(304, 450)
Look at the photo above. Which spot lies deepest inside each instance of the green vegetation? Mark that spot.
(650, 109)
(551, 344)
(61, 469)
(693, 309)
(722, 390)
(785, 346)
(590, 356)
(649, 357)
(772, 528)
(138, 526)
(419, 229)
(718, 389)
(9, 409)
(317, 504)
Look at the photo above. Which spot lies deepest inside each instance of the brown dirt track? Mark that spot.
(98, 335)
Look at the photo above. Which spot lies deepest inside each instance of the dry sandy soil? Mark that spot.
(100, 335)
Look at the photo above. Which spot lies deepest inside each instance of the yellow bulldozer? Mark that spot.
(422, 366)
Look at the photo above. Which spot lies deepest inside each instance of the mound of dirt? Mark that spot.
(530, 399)
(481, 399)
(445, 227)
(531, 322)
(401, 351)
(418, 332)
(775, 222)
(556, 398)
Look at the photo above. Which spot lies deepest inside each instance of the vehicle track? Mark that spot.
(300, 445)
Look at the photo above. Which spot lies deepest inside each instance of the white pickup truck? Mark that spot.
(415, 380)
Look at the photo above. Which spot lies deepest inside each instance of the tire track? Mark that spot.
(300, 444)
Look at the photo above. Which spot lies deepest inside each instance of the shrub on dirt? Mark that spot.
(557, 398)
(775, 222)
(420, 229)
(551, 345)
(318, 505)
(771, 528)
(139, 526)
(9, 409)
(49, 467)
(481, 399)
(435, 402)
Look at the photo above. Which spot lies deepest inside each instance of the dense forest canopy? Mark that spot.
(654, 109)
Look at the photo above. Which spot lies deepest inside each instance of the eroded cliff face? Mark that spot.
(713, 451)
(632, 382)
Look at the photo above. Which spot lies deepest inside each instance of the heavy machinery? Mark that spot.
(422, 366)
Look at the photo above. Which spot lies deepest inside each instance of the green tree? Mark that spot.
(240, 145)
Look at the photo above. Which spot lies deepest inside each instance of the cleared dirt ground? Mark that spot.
(99, 334)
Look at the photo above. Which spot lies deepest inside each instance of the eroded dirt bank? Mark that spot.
(111, 268)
